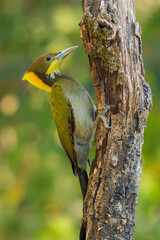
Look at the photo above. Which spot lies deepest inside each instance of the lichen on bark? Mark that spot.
(105, 45)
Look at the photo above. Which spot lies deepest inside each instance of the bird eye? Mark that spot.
(48, 58)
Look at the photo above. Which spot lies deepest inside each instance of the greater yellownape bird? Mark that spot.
(73, 110)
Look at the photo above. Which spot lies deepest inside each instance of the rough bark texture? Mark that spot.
(112, 40)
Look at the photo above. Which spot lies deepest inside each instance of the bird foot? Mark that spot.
(102, 116)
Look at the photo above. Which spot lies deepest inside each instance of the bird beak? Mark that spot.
(57, 60)
(64, 53)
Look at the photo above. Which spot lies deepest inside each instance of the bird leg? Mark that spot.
(102, 116)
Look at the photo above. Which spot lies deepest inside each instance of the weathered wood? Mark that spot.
(112, 40)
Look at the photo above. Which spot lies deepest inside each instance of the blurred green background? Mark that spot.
(40, 199)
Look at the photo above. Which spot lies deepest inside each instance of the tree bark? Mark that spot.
(112, 40)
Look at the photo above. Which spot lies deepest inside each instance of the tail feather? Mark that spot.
(83, 179)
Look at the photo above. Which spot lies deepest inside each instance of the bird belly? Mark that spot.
(82, 136)
(83, 128)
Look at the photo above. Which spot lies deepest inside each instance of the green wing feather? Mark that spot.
(64, 120)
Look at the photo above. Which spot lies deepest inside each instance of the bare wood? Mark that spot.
(112, 40)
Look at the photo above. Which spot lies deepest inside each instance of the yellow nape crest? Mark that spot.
(36, 81)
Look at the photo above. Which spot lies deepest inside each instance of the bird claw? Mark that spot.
(107, 107)
(105, 122)
(102, 116)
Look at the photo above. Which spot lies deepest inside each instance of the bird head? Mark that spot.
(41, 72)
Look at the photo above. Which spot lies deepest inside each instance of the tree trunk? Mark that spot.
(112, 40)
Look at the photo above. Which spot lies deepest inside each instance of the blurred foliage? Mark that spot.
(40, 199)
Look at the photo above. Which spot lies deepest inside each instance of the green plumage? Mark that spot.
(72, 108)
(69, 98)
